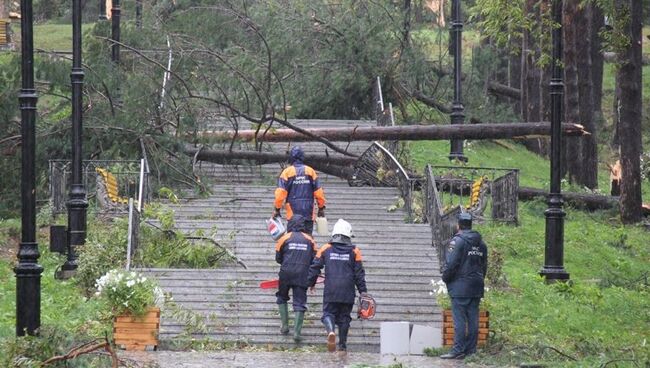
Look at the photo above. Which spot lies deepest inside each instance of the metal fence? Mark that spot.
(445, 189)
(499, 189)
(127, 173)
(378, 167)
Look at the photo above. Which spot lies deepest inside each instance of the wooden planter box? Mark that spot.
(136, 333)
(448, 327)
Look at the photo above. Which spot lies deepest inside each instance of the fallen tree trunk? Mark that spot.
(260, 158)
(340, 166)
(589, 202)
(408, 133)
(611, 57)
(503, 90)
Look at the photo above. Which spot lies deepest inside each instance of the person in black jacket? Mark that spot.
(464, 273)
(343, 271)
(294, 251)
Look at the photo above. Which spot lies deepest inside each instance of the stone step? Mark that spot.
(399, 259)
(252, 290)
(279, 341)
(312, 316)
(254, 309)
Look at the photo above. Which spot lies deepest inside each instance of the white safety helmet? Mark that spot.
(342, 227)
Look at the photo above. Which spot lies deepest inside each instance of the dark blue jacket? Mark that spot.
(295, 251)
(343, 271)
(298, 185)
(466, 265)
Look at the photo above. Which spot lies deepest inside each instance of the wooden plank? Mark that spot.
(128, 339)
(149, 317)
(145, 319)
(121, 331)
(139, 325)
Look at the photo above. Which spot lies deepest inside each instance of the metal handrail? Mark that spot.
(405, 183)
(59, 172)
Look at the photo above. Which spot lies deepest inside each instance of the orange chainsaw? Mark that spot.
(275, 283)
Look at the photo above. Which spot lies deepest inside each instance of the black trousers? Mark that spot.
(339, 313)
(299, 296)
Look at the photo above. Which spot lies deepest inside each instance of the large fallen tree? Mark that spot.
(583, 201)
(409, 132)
(341, 166)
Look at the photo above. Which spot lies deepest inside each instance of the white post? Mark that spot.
(141, 185)
(129, 235)
(381, 98)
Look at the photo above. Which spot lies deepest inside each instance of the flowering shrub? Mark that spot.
(444, 301)
(442, 296)
(128, 292)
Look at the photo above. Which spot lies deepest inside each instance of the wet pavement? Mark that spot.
(283, 359)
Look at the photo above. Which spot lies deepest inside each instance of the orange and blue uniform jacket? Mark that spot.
(343, 271)
(295, 251)
(298, 185)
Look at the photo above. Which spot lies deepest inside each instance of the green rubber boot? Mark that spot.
(284, 317)
(299, 319)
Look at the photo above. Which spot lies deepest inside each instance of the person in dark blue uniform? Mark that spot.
(464, 273)
(343, 271)
(294, 251)
(298, 186)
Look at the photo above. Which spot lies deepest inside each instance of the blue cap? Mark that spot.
(297, 154)
(465, 217)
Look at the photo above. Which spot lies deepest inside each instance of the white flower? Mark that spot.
(130, 283)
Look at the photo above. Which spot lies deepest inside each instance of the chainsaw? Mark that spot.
(275, 283)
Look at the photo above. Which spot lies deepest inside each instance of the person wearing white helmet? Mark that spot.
(343, 271)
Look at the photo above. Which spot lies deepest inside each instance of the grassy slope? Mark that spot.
(592, 317)
(62, 303)
(51, 36)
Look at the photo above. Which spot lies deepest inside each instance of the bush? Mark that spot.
(105, 249)
(30, 351)
(128, 292)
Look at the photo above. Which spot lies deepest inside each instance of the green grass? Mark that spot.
(52, 36)
(603, 314)
(62, 303)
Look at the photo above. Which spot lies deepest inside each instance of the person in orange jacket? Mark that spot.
(298, 185)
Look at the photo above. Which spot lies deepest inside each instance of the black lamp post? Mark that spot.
(115, 31)
(553, 269)
(28, 271)
(457, 109)
(77, 203)
(138, 14)
(102, 10)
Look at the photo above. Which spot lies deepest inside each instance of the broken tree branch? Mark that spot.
(85, 349)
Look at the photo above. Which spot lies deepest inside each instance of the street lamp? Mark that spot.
(102, 10)
(77, 203)
(138, 14)
(553, 269)
(457, 109)
(28, 271)
(115, 32)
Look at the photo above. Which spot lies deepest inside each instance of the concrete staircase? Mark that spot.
(398, 257)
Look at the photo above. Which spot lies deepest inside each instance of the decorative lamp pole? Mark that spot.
(28, 271)
(553, 269)
(77, 203)
(115, 31)
(138, 14)
(457, 109)
(102, 10)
